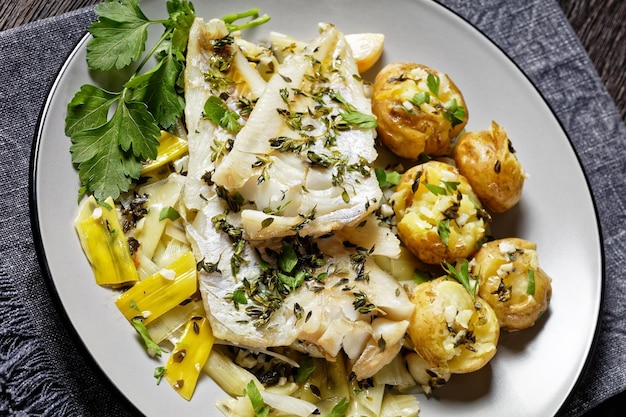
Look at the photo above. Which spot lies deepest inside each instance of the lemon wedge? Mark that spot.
(366, 48)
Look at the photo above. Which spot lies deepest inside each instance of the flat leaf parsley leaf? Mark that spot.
(113, 133)
(119, 35)
(110, 155)
(354, 117)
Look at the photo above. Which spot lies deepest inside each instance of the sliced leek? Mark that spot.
(231, 377)
(167, 326)
(404, 405)
(164, 193)
(159, 293)
(105, 244)
(170, 148)
(189, 356)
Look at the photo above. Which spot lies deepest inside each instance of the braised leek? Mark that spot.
(105, 244)
(159, 293)
(189, 357)
(170, 148)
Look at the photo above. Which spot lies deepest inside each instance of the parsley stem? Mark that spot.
(152, 52)
(229, 19)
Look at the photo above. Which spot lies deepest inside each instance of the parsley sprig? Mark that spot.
(113, 133)
(463, 275)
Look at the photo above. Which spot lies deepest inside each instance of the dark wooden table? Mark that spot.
(599, 24)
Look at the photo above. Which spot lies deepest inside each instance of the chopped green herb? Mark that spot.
(288, 258)
(239, 297)
(462, 275)
(443, 230)
(382, 344)
(420, 276)
(354, 117)
(450, 185)
(432, 81)
(151, 346)
(159, 371)
(454, 113)
(215, 110)
(253, 393)
(531, 282)
(168, 212)
(307, 367)
(359, 120)
(340, 409)
(267, 222)
(435, 189)
(420, 98)
(387, 179)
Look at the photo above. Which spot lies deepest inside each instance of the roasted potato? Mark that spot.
(452, 329)
(488, 161)
(438, 215)
(419, 109)
(511, 281)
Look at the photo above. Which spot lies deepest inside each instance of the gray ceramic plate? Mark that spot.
(533, 371)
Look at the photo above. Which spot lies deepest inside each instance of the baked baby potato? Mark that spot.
(488, 161)
(438, 215)
(512, 282)
(450, 328)
(419, 110)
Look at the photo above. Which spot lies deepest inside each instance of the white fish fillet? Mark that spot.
(293, 108)
(345, 302)
(202, 133)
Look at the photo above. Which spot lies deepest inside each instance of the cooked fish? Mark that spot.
(215, 67)
(285, 242)
(304, 156)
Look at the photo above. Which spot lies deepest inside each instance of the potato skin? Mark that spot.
(420, 213)
(488, 161)
(418, 129)
(450, 329)
(502, 267)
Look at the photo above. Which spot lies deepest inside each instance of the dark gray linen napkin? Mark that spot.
(43, 368)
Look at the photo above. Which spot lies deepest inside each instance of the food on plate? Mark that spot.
(512, 282)
(107, 252)
(419, 109)
(438, 215)
(451, 329)
(269, 241)
(296, 183)
(488, 160)
(304, 154)
(221, 88)
(366, 48)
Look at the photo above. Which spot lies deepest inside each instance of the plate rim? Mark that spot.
(42, 259)
(596, 331)
(80, 344)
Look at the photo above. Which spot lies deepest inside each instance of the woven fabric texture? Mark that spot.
(45, 371)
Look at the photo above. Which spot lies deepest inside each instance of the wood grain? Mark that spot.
(599, 24)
